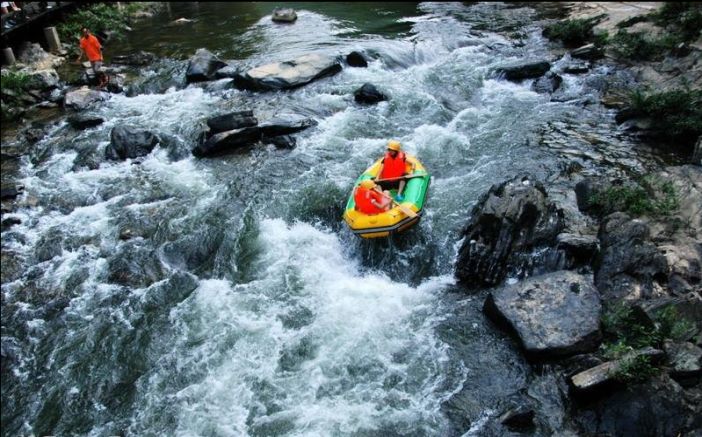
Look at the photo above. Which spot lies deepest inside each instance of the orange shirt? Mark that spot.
(91, 46)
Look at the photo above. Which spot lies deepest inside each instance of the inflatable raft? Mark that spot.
(393, 220)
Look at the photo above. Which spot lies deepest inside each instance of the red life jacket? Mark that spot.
(363, 198)
(393, 167)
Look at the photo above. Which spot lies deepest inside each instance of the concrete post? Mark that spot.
(8, 56)
(52, 39)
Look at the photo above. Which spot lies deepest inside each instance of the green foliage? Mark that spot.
(572, 33)
(14, 80)
(636, 369)
(684, 18)
(671, 325)
(98, 17)
(652, 196)
(638, 47)
(678, 113)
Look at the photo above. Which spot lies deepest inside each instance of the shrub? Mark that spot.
(652, 196)
(572, 33)
(685, 18)
(14, 80)
(638, 47)
(636, 369)
(678, 113)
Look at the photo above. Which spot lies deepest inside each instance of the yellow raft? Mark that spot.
(393, 220)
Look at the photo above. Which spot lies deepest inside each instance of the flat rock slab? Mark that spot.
(524, 69)
(554, 315)
(83, 97)
(289, 74)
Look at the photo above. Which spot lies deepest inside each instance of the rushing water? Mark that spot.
(242, 305)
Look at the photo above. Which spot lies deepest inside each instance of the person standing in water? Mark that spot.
(91, 47)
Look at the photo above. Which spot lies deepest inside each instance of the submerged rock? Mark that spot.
(368, 94)
(523, 69)
(202, 66)
(130, 142)
(290, 74)
(554, 315)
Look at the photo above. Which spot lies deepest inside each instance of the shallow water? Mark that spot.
(242, 305)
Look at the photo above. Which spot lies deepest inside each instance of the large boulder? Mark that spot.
(509, 223)
(356, 59)
(554, 315)
(130, 142)
(82, 98)
(523, 69)
(368, 94)
(202, 66)
(44, 79)
(81, 122)
(628, 263)
(225, 141)
(290, 74)
(231, 121)
(284, 15)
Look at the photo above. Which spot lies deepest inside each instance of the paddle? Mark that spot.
(409, 176)
(408, 212)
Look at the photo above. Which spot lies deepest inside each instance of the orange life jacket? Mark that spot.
(91, 45)
(363, 198)
(393, 167)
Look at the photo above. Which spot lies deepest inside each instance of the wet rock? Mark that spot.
(140, 59)
(586, 189)
(603, 376)
(289, 74)
(81, 122)
(628, 263)
(164, 295)
(226, 141)
(548, 83)
(356, 59)
(685, 360)
(202, 66)
(228, 72)
(368, 94)
(519, 418)
(524, 69)
(284, 15)
(82, 98)
(135, 265)
(285, 124)
(282, 142)
(35, 133)
(510, 222)
(12, 268)
(130, 142)
(588, 52)
(657, 408)
(577, 68)
(231, 121)
(9, 222)
(44, 79)
(554, 315)
(88, 157)
(8, 192)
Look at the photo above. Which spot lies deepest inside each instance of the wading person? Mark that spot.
(392, 169)
(92, 48)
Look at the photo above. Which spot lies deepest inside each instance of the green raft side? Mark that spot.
(415, 190)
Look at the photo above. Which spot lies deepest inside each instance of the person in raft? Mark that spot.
(370, 199)
(392, 169)
(92, 48)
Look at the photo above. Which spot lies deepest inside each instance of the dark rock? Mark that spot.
(685, 360)
(231, 121)
(81, 122)
(582, 248)
(285, 124)
(135, 265)
(44, 79)
(368, 94)
(582, 67)
(356, 59)
(589, 52)
(520, 418)
(284, 15)
(524, 69)
(628, 263)
(130, 142)
(225, 141)
(10, 192)
(163, 296)
(282, 141)
(35, 133)
(140, 58)
(203, 66)
(289, 74)
(602, 377)
(554, 315)
(228, 72)
(586, 189)
(10, 222)
(548, 83)
(657, 408)
(88, 157)
(689, 310)
(509, 223)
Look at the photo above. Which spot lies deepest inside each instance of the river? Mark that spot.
(242, 304)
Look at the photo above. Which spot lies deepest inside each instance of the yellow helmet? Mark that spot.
(394, 145)
(367, 183)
